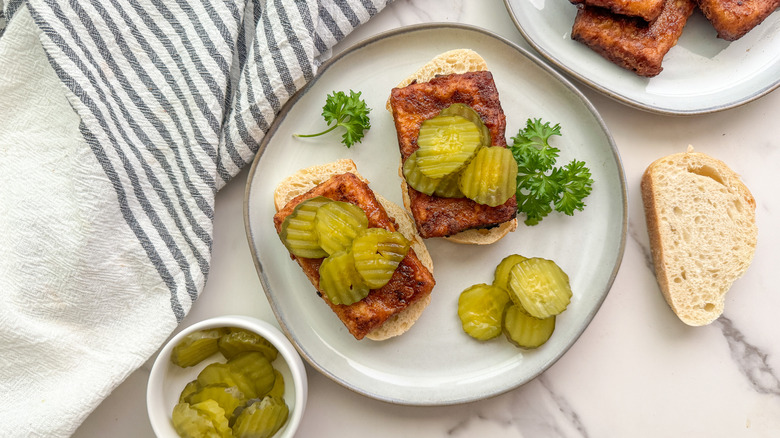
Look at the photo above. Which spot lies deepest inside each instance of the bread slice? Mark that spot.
(453, 61)
(701, 222)
(457, 61)
(305, 179)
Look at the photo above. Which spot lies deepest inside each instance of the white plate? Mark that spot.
(701, 74)
(435, 363)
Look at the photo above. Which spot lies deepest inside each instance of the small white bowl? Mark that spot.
(167, 380)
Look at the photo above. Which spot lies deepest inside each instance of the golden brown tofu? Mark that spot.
(732, 19)
(631, 42)
(410, 282)
(417, 102)
(648, 10)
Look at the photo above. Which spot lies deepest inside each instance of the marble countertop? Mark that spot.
(636, 371)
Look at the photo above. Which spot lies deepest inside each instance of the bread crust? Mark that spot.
(702, 230)
(392, 309)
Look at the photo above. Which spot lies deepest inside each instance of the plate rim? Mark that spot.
(284, 111)
(619, 97)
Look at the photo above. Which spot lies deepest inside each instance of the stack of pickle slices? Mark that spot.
(455, 159)
(243, 397)
(357, 258)
(523, 301)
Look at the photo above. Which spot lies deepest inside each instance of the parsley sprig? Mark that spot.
(540, 185)
(348, 111)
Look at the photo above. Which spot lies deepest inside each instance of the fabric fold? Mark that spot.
(120, 122)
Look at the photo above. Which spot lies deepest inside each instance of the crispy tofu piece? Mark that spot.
(648, 10)
(417, 102)
(411, 281)
(631, 42)
(732, 19)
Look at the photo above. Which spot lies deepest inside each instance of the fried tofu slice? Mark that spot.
(648, 10)
(411, 106)
(411, 282)
(732, 19)
(630, 42)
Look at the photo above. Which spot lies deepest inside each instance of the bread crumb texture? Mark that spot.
(702, 228)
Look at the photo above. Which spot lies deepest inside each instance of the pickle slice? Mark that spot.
(448, 186)
(196, 346)
(261, 419)
(278, 388)
(540, 286)
(377, 253)
(501, 276)
(189, 388)
(446, 144)
(481, 309)
(239, 340)
(298, 233)
(470, 114)
(227, 397)
(222, 374)
(491, 177)
(257, 369)
(340, 280)
(337, 223)
(416, 179)
(204, 419)
(524, 330)
(216, 414)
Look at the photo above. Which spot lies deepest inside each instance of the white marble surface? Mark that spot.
(637, 371)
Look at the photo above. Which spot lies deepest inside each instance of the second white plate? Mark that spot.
(701, 74)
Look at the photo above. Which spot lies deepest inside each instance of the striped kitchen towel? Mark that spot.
(119, 122)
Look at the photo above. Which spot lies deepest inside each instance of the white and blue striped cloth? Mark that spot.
(119, 122)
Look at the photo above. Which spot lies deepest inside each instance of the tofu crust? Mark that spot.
(417, 102)
(410, 282)
(631, 42)
(648, 10)
(732, 19)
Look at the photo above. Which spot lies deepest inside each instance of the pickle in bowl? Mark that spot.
(254, 366)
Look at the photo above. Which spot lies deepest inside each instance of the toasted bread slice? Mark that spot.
(453, 61)
(386, 312)
(306, 179)
(701, 222)
(732, 19)
(460, 72)
(630, 42)
(647, 10)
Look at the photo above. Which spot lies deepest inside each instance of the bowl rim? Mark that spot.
(158, 414)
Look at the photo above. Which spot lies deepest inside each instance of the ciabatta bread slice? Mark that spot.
(453, 61)
(701, 220)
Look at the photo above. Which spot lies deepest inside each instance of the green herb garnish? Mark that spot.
(350, 112)
(540, 185)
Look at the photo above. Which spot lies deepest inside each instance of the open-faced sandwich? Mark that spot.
(459, 178)
(360, 251)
